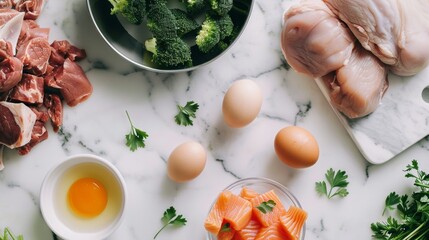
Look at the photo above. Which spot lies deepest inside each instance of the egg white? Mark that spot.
(114, 198)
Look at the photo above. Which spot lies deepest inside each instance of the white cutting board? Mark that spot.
(401, 120)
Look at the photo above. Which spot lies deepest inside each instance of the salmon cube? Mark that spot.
(293, 221)
(226, 233)
(268, 218)
(214, 220)
(250, 231)
(273, 232)
(248, 193)
(239, 212)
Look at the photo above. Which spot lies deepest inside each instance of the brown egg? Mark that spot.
(241, 103)
(296, 147)
(186, 162)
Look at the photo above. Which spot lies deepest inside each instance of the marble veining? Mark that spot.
(380, 139)
(99, 125)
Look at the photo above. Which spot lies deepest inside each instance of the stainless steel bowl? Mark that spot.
(122, 38)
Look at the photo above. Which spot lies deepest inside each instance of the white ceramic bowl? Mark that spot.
(262, 185)
(53, 204)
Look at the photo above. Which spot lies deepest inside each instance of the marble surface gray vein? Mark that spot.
(99, 125)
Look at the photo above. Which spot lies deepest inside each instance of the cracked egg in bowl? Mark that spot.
(83, 198)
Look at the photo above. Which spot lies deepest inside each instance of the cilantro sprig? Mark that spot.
(8, 235)
(337, 184)
(185, 113)
(412, 221)
(170, 218)
(136, 137)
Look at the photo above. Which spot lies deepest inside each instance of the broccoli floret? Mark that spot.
(222, 46)
(151, 3)
(221, 7)
(219, 47)
(184, 22)
(209, 35)
(225, 26)
(133, 10)
(169, 53)
(161, 22)
(150, 45)
(194, 6)
(235, 32)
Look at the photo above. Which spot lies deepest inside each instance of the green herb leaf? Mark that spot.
(169, 214)
(413, 210)
(8, 235)
(170, 218)
(226, 227)
(136, 137)
(321, 188)
(337, 182)
(186, 113)
(267, 206)
(392, 200)
(421, 179)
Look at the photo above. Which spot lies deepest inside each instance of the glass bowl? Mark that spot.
(262, 185)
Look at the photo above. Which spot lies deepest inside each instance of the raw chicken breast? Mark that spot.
(356, 89)
(313, 40)
(396, 31)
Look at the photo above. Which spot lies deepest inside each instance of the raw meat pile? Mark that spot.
(351, 45)
(36, 77)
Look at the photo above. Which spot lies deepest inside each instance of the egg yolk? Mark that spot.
(87, 197)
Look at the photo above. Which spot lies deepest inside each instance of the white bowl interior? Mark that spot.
(49, 202)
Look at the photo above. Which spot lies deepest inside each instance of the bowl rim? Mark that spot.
(142, 66)
(265, 180)
(46, 200)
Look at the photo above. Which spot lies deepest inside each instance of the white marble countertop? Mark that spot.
(98, 126)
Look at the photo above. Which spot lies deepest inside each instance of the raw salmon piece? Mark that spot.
(250, 231)
(267, 219)
(293, 221)
(273, 232)
(239, 212)
(248, 193)
(227, 234)
(214, 220)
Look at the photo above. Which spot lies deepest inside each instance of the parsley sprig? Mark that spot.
(136, 137)
(267, 206)
(413, 210)
(186, 113)
(8, 235)
(170, 218)
(392, 200)
(338, 184)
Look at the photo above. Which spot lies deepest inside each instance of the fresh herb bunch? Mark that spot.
(136, 137)
(8, 235)
(171, 218)
(337, 180)
(412, 222)
(185, 113)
